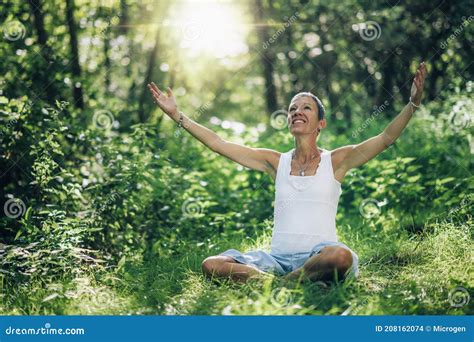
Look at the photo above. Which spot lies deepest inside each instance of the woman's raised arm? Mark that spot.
(259, 159)
(352, 156)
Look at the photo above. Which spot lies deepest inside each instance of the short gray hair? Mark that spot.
(319, 104)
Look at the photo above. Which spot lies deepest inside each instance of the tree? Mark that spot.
(46, 53)
(75, 66)
(267, 59)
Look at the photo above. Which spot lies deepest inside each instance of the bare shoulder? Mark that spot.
(338, 156)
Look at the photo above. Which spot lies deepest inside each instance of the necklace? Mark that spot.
(301, 169)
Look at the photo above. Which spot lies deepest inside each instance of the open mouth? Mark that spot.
(298, 121)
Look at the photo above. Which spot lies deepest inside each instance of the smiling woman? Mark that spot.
(304, 240)
(210, 28)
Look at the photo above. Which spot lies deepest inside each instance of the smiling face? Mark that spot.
(303, 116)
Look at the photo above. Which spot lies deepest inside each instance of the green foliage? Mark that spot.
(112, 214)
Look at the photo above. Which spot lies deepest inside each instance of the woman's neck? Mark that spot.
(306, 148)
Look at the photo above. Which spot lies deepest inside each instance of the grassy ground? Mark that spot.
(400, 274)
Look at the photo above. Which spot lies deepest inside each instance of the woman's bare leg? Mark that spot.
(226, 267)
(331, 263)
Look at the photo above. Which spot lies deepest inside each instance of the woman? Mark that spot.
(307, 190)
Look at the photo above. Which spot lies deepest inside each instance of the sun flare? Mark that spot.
(210, 27)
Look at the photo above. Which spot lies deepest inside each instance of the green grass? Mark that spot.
(400, 274)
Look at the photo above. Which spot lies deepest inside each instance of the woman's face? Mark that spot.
(303, 116)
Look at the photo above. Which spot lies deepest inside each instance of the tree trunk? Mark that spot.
(107, 63)
(46, 53)
(123, 17)
(387, 84)
(123, 29)
(148, 78)
(291, 66)
(267, 60)
(106, 49)
(75, 67)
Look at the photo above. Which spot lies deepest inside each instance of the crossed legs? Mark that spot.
(332, 262)
(226, 267)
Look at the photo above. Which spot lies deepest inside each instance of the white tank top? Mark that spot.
(305, 206)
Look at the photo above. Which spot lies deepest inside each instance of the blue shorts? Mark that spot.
(281, 264)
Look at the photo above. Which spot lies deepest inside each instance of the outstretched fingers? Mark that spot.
(424, 71)
(420, 75)
(156, 89)
(153, 93)
(418, 79)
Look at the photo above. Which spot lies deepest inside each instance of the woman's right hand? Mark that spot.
(167, 102)
(260, 159)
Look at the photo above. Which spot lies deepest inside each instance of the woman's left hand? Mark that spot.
(418, 83)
